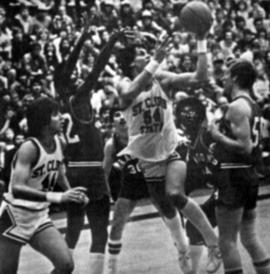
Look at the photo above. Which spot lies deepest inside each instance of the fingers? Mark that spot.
(80, 189)
(77, 196)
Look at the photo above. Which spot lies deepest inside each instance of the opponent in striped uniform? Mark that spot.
(36, 168)
(237, 138)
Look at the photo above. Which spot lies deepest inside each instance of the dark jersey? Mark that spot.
(230, 159)
(84, 143)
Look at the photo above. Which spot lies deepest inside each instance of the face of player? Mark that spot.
(56, 122)
(119, 122)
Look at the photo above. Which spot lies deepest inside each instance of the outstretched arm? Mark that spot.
(84, 90)
(170, 80)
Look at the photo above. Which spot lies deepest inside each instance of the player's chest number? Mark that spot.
(149, 117)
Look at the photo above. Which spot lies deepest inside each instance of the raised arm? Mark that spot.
(176, 81)
(90, 82)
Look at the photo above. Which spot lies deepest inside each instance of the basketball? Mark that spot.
(196, 17)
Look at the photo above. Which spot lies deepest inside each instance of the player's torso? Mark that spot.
(84, 143)
(152, 133)
(43, 177)
(229, 159)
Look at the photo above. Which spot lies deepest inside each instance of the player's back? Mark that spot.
(84, 142)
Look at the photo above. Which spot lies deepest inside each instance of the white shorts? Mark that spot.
(21, 224)
(156, 171)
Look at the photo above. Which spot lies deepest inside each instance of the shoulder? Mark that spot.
(240, 108)
(28, 152)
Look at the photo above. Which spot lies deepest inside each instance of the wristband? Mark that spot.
(152, 66)
(54, 197)
(202, 46)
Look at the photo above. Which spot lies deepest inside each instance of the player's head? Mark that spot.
(140, 60)
(241, 73)
(41, 113)
(189, 115)
(119, 121)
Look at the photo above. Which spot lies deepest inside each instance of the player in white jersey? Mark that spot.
(153, 137)
(36, 167)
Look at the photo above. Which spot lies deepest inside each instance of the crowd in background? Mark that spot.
(37, 35)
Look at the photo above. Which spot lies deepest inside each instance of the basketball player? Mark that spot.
(191, 120)
(153, 136)
(84, 155)
(134, 188)
(237, 139)
(36, 168)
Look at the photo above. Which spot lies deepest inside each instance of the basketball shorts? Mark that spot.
(92, 178)
(237, 188)
(134, 188)
(156, 171)
(20, 225)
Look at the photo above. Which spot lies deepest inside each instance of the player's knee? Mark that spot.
(179, 200)
(66, 266)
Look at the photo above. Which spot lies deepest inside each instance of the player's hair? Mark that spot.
(244, 72)
(39, 114)
(197, 106)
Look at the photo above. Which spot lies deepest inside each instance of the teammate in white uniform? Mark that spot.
(153, 137)
(36, 167)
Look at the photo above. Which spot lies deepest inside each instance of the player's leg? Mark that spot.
(172, 221)
(51, 244)
(75, 222)
(175, 181)
(9, 255)
(251, 241)
(123, 209)
(98, 216)
(229, 221)
(196, 240)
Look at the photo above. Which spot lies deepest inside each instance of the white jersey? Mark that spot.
(152, 132)
(44, 176)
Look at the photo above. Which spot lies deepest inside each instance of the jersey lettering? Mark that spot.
(49, 182)
(255, 132)
(71, 138)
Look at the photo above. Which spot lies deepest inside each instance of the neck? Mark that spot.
(239, 92)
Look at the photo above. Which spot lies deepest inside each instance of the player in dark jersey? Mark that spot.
(84, 152)
(237, 137)
(192, 124)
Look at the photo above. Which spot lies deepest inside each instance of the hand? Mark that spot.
(76, 195)
(88, 19)
(162, 47)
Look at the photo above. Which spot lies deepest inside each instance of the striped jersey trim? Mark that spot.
(155, 179)
(84, 164)
(234, 165)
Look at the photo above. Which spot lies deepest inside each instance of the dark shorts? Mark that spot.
(92, 178)
(195, 178)
(237, 188)
(134, 189)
